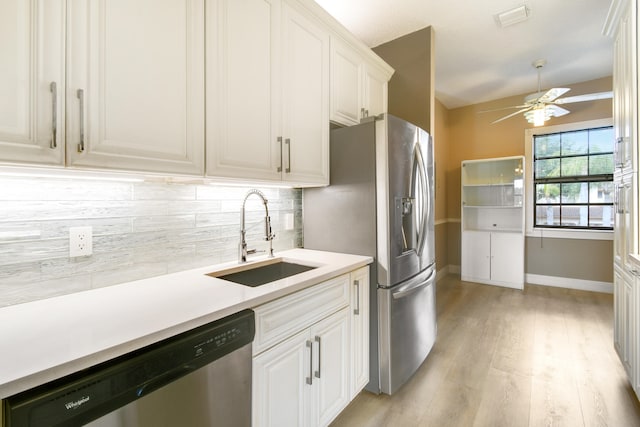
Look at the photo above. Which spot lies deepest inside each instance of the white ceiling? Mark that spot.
(476, 60)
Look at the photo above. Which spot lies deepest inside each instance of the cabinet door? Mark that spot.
(346, 88)
(305, 71)
(281, 391)
(507, 259)
(626, 41)
(135, 95)
(629, 218)
(242, 98)
(628, 328)
(359, 330)
(618, 293)
(375, 91)
(32, 81)
(625, 242)
(331, 367)
(476, 252)
(619, 232)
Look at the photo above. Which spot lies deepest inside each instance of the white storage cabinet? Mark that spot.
(32, 90)
(109, 85)
(120, 85)
(268, 97)
(135, 85)
(622, 26)
(359, 82)
(359, 330)
(311, 353)
(492, 221)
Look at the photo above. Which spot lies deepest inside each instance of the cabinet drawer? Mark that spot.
(280, 319)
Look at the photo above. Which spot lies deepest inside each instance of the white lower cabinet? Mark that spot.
(311, 352)
(625, 328)
(359, 330)
(303, 380)
(493, 258)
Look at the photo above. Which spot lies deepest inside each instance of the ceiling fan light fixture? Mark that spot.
(538, 115)
(512, 16)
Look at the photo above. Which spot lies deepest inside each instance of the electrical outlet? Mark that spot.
(288, 221)
(80, 241)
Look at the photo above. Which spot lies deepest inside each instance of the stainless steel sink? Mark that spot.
(261, 273)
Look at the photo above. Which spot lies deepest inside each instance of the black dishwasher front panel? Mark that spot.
(89, 394)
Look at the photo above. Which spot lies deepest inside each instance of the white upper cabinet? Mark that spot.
(268, 92)
(305, 88)
(358, 83)
(243, 52)
(123, 85)
(374, 98)
(135, 95)
(346, 73)
(32, 81)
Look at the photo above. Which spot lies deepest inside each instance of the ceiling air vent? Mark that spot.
(512, 16)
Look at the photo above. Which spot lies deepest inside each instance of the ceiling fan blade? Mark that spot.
(553, 93)
(503, 108)
(512, 114)
(585, 97)
(557, 111)
(547, 96)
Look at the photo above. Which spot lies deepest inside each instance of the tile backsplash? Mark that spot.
(140, 230)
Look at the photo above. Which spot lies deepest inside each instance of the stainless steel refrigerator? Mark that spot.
(381, 203)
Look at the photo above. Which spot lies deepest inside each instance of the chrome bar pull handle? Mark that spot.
(53, 87)
(287, 142)
(80, 95)
(356, 310)
(319, 355)
(619, 152)
(280, 142)
(310, 377)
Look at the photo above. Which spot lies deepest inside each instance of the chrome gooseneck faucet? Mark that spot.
(242, 247)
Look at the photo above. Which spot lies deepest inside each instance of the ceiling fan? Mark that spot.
(540, 107)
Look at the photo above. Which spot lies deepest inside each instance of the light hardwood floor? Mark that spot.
(539, 357)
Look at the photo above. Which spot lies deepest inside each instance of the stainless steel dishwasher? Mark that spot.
(201, 377)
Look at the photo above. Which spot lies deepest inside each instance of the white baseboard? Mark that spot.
(569, 283)
(554, 281)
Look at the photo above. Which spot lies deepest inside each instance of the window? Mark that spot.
(573, 179)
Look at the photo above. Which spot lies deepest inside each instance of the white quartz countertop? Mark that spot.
(44, 340)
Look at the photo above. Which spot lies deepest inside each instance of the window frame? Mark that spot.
(556, 232)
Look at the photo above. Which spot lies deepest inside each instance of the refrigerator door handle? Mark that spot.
(424, 197)
(412, 286)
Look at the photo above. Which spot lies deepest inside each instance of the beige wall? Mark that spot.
(470, 135)
(573, 258)
(411, 88)
(441, 155)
